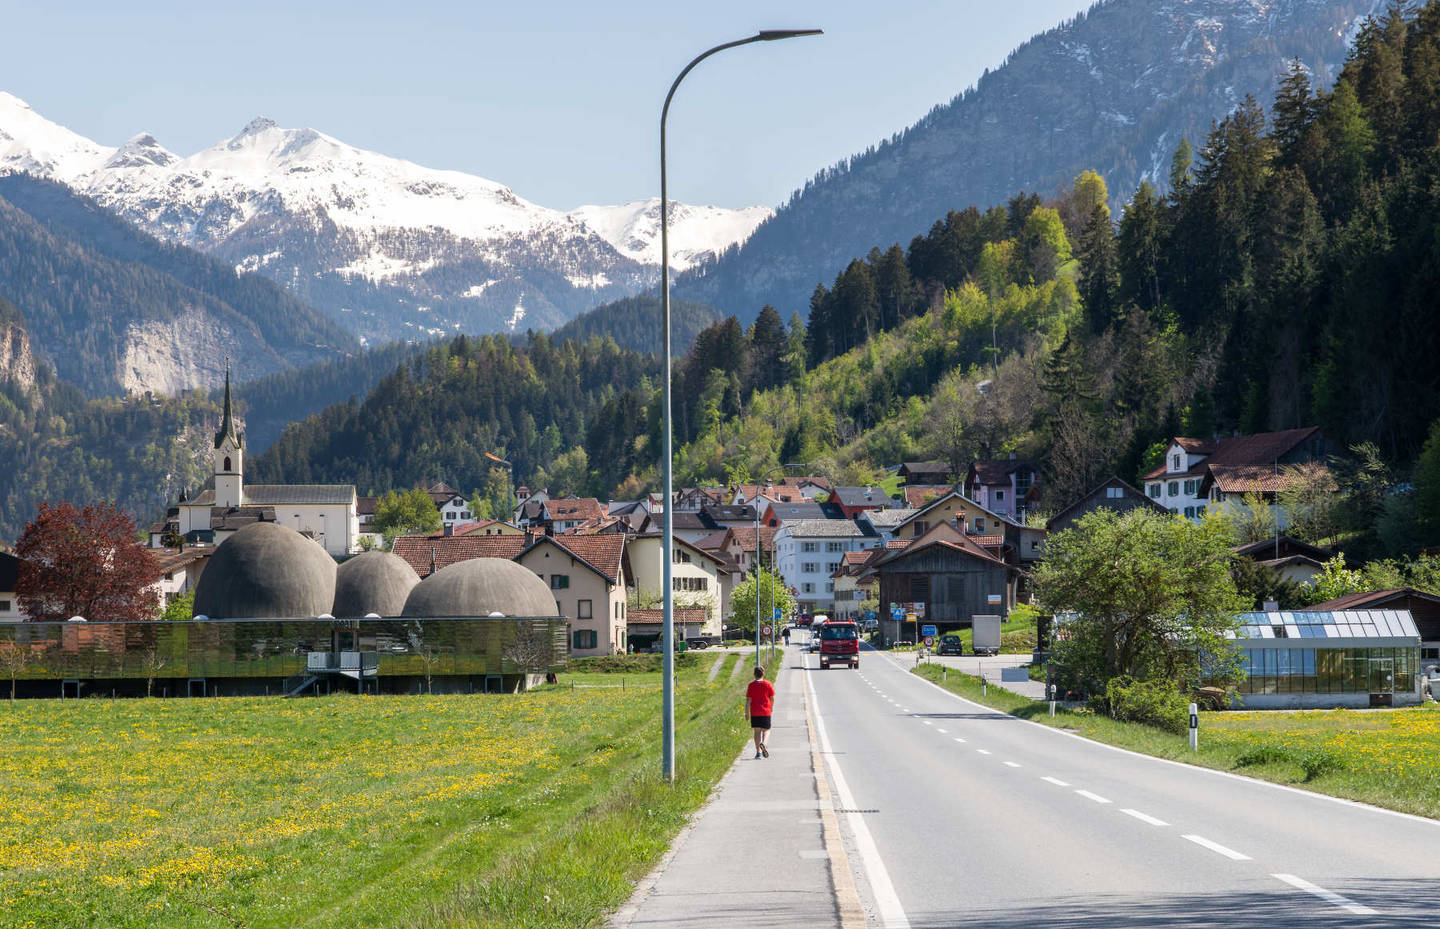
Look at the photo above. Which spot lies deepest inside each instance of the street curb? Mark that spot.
(842, 878)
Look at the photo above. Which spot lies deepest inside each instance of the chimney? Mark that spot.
(1272, 606)
(432, 560)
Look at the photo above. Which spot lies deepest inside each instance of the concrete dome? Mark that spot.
(373, 582)
(266, 571)
(479, 587)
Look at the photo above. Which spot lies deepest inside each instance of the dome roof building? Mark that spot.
(373, 582)
(480, 587)
(266, 571)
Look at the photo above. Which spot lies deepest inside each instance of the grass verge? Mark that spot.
(518, 811)
(1389, 758)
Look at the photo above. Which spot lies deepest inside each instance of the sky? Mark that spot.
(558, 99)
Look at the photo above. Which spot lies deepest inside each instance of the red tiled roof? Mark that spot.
(897, 543)
(714, 541)
(1244, 479)
(988, 540)
(1195, 446)
(417, 550)
(745, 536)
(858, 557)
(1252, 453)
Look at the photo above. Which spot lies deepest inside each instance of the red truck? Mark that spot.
(839, 644)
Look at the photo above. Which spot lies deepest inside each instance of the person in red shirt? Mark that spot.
(759, 702)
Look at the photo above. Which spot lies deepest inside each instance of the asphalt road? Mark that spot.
(973, 818)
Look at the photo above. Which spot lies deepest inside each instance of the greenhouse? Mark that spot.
(1328, 659)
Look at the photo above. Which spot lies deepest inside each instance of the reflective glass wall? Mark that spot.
(1329, 670)
(278, 648)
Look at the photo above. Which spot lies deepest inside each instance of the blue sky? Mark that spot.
(560, 99)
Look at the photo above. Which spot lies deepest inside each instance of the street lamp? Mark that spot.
(756, 504)
(667, 634)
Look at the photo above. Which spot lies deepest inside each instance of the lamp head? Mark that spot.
(771, 35)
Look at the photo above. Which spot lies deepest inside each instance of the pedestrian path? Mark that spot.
(755, 855)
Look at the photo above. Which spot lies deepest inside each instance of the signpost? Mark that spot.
(929, 639)
(928, 632)
(1194, 728)
(766, 630)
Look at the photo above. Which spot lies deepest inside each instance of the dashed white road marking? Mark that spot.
(1056, 781)
(1329, 896)
(958, 739)
(941, 731)
(927, 722)
(1011, 764)
(1145, 817)
(1216, 847)
(982, 751)
(1089, 796)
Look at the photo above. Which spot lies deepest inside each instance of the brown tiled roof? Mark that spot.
(169, 559)
(416, 550)
(714, 541)
(988, 540)
(897, 543)
(657, 617)
(577, 508)
(468, 528)
(1195, 446)
(1244, 479)
(917, 495)
(1251, 453)
(998, 470)
(745, 536)
(854, 558)
(602, 552)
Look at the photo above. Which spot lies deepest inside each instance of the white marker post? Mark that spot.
(1194, 728)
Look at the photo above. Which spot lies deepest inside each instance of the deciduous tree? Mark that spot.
(85, 562)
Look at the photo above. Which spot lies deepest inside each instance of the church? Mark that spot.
(328, 513)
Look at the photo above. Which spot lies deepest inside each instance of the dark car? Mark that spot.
(950, 645)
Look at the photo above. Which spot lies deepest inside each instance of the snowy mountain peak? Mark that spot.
(31, 143)
(256, 125)
(140, 152)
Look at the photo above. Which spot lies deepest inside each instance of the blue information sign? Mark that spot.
(896, 613)
(777, 614)
(927, 630)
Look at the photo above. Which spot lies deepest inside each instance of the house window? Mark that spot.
(1023, 480)
(1191, 486)
(919, 527)
(689, 583)
(1114, 493)
(1154, 490)
(4, 606)
(617, 610)
(584, 638)
(834, 546)
(1173, 489)
(829, 587)
(809, 547)
(679, 557)
(227, 464)
(1189, 512)
(807, 588)
(1174, 462)
(980, 524)
(833, 566)
(810, 567)
(584, 610)
(920, 588)
(559, 582)
(999, 495)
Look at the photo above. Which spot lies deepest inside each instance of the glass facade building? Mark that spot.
(1326, 659)
(253, 655)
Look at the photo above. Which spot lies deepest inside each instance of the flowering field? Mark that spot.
(346, 811)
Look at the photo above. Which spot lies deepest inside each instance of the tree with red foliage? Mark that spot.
(85, 562)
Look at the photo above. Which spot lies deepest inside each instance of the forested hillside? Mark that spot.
(1113, 89)
(634, 323)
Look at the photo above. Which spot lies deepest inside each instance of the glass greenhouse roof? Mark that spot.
(1318, 624)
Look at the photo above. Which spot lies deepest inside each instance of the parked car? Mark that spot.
(950, 644)
(697, 643)
(814, 642)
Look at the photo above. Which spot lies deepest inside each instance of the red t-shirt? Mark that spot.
(761, 697)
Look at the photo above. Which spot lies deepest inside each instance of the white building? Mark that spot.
(808, 551)
(327, 512)
(1218, 475)
(700, 579)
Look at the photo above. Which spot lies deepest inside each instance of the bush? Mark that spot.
(1153, 703)
(1312, 762)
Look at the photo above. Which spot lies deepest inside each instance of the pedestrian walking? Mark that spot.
(759, 703)
(785, 634)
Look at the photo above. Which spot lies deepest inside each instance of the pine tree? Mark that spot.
(1294, 112)
(1180, 166)
(767, 350)
(1098, 268)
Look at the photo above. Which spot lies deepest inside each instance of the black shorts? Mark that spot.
(759, 722)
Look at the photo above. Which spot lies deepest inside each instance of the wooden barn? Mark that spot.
(952, 574)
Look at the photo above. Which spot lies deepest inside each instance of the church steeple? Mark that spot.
(227, 421)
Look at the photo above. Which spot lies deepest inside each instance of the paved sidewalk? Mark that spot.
(755, 854)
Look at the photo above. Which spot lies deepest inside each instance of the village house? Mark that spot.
(1113, 494)
(1006, 487)
(9, 580)
(853, 501)
(1201, 474)
(700, 579)
(1290, 558)
(949, 575)
(808, 551)
(932, 473)
(180, 571)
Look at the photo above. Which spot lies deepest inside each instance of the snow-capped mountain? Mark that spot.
(391, 248)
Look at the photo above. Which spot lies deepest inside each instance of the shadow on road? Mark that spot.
(1400, 904)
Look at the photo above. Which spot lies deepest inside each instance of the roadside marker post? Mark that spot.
(1194, 728)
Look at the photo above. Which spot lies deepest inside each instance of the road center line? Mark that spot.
(982, 751)
(887, 901)
(941, 731)
(1056, 781)
(1011, 764)
(1144, 818)
(1329, 896)
(1089, 796)
(927, 722)
(958, 739)
(1217, 848)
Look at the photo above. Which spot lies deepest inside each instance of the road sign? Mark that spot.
(778, 613)
(994, 598)
(765, 629)
(929, 640)
(896, 613)
(928, 631)
(919, 609)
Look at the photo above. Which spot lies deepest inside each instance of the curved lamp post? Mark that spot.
(667, 634)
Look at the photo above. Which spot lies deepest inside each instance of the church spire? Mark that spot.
(227, 421)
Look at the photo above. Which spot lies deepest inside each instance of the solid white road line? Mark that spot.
(1011, 764)
(1329, 896)
(1056, 781)
(1216, 847)
(1089, 796)
(887, 901)
(1145, 818)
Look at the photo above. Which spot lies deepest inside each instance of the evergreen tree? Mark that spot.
(1180, 166)
(1098, 268)
(767, 350)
